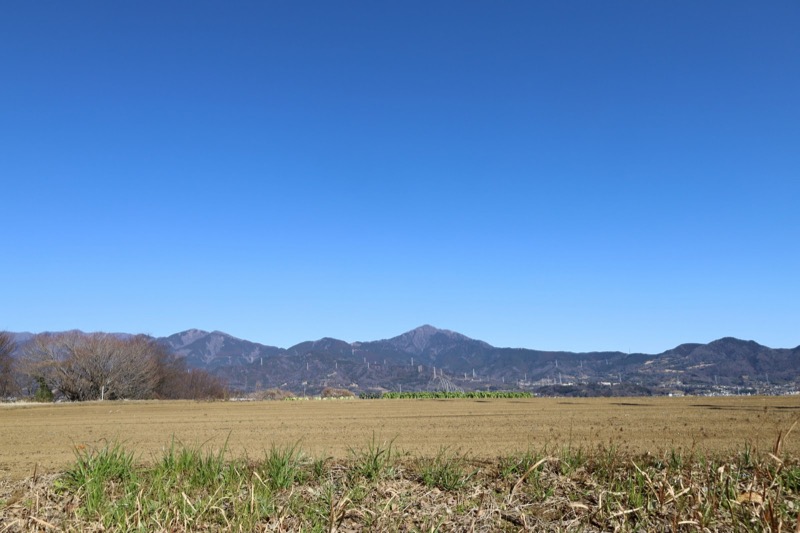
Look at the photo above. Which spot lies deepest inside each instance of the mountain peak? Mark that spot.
(420, 339)
(428, 330)
(424, 331)
(193, 332)
(729, 343)
(222, 333)
(179, 340)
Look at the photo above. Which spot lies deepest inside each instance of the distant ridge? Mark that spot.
(409, 360)
(211, 350)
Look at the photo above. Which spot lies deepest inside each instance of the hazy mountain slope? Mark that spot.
(216, 349)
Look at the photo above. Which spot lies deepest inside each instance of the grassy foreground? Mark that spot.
(380, 488)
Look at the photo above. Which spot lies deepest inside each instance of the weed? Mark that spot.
(282, 467)
(589, 489)
(572, 459)
(375, 460)
(790, 479)
(98, 472)
(675, 460)
(746, 456)
(318, 469)
(191, 467)
(446, 471)
(516, 465)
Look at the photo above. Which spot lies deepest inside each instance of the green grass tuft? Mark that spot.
(282, 466)
(446, 471)
(375, 460)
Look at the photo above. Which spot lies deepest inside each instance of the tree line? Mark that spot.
(100, 366)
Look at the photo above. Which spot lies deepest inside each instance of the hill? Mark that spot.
(421, 358)
(427, 358)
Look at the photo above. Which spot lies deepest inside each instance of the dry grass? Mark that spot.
(690, 464)
(44, 436)
(565, 489)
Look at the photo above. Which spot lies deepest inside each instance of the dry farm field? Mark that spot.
(45, 436)
(589, 465)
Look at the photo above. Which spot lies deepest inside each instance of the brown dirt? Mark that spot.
(44, 437)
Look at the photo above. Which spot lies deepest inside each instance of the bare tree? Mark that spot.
(8, 384)
(100, 366)
(112, 368)
(177, 381)
(46, 359)
(93, 367)
(137, 369)
(172, 371)
(199, 384)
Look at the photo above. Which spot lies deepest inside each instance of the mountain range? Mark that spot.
(430, 358)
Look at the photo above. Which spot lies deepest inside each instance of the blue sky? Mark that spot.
(552, 175)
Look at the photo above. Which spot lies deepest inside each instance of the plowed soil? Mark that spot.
(44, 437)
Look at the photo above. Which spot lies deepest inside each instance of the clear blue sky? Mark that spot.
(567, 175)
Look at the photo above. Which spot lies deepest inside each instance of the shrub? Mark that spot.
(330, 392)
(43, 393)
(274, 394)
